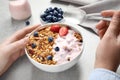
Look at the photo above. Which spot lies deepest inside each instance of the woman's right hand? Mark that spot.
(108, 51)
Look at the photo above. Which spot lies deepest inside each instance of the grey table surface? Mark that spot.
(22, 69)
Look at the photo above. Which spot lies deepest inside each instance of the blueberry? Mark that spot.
(50, 9)
(33, 45)
(59, 15)
(51, 13)
(55, 19)
(55, 8)
(35, 34)
(49, 17)
(49, 57)
(57, 49)
(27, 23)
(46, 11)
(60, 11)
(59, 19)
(55, 13)
(50, 39)
(44, 15)
(44, 19)
(49, 21)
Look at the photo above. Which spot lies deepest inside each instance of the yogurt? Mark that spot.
(70, 47)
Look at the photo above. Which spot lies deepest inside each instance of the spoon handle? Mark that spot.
(99, 18)
(94, 14)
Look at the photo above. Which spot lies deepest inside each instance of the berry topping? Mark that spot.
(27, 23)
(33, 45)
(35, 34)
(50, 39)
(57, 48)
(55, 28)
(49, 57)
(63, 31)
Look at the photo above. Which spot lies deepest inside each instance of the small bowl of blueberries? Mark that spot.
(52, 15)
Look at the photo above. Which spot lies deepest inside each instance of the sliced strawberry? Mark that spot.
(55, 28)
(63, 31)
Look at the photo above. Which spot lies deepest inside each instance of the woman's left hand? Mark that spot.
(13, 48)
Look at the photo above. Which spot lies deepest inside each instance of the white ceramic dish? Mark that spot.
(59, 67)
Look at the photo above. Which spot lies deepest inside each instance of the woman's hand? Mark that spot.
(13, 48)
(108, 51)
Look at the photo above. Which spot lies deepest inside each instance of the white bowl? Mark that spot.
(58, 67)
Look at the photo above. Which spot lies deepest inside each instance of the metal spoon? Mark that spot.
(82, 15)
(78, 16)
